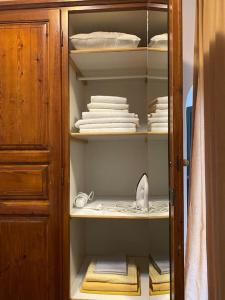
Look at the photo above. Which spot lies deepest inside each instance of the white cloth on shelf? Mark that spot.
(160, 100)
(159, 41)
(106, 114)
(158, 120)
(108, 130)
(108, 125)
(154, 125)
(159, 129)
(107, 106)
(162, 113)
(108, 99)
(107, 110)
(111, 265)
(106, 120)
(161, 106)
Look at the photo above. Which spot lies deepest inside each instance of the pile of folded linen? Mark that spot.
(159, 41)
(159, 276)
(108, 114)
(158, 115)
(101, 39)
(111, 275)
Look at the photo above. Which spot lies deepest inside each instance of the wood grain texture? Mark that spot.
(176, 149)
(66, 155)
(23, 182)
(24, 85)
(24, 263)
(21, 4)
(30, 164)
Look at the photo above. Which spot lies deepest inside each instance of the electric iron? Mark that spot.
(142, 194)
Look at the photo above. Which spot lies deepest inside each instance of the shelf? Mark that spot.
(126, 63)
(85, 137)
(102, 208)
(142, 263)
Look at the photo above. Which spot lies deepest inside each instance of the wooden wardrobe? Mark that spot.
(36, 224)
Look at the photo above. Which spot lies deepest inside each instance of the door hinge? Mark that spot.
(172, 196)
(61, 38)
(62, 176)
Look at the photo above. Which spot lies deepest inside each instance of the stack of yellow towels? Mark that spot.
(115, 284)
(159, 281)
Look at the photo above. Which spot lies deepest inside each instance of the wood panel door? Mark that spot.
(30, 155)
(176, 150)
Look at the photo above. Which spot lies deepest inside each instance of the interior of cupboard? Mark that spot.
(112, 164)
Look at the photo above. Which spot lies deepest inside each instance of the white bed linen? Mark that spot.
(108, 130)
(107, 106)
(108, 99)
(106, 120)
(108, 125)
(107, 114)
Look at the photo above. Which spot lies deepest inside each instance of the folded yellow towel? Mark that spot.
(109, 287)
(137, 293)
(159, 286)
(155, 293)
(156, 277)
(130, 278)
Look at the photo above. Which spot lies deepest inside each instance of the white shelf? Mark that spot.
(101, 207)
(104, 64)
(142, 263)
(154, 136)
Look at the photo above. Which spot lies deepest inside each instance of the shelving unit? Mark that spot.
(142, 263)
(95, 210)
(105, 64)
(85, 137)
(111, 164)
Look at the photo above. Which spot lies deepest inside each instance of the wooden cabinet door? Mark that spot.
(30, 155)
(176, 150)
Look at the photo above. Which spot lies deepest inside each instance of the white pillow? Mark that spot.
(104, 40)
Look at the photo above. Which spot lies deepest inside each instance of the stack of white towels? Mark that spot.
(158, 115)
(108, 114)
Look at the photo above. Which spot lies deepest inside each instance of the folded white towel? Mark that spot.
(108, 99)
(107, 114)
(158, 120)
(154, 125)
(107, 110)
(161, 106)
(108, 125)
(159, 110)
(106, 120)
(108, 130)
(107, 106)
(160, 40)
(157, 107)
(159, 129)
(111, 265)
(162, 113)
(160, 100)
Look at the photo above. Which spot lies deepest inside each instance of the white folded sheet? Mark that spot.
(162, 113)
(109, 114)
(111, 265)
(106, 120)
(159, 129)
(108, 110)
(160, 100)
(108, 99)
(107, 106)
(108, 125)
(154, 125)
(108, 130)
(161, 106)
(158, 120)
